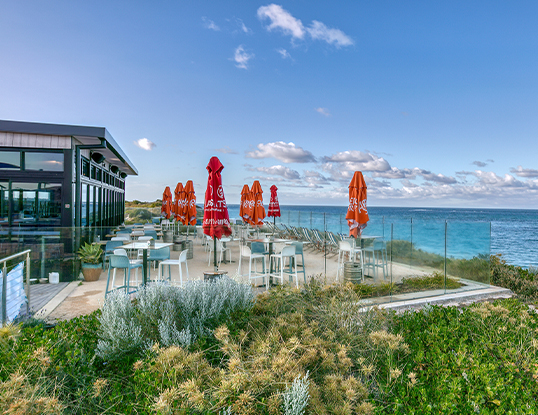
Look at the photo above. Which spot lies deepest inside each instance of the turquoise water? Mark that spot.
(469, 232)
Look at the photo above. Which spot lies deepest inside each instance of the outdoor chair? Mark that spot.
(299, 251)
(109, 250)
(220, 252)
(121, 261)
(376, 257)
(245, 252)
(158, 255)
(152, 233)
(279, 260)
(182, 260)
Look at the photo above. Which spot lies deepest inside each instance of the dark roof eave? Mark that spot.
(71, 131)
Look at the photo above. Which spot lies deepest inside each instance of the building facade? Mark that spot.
(57, 177)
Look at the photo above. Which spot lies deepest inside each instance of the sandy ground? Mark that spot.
(86, 297)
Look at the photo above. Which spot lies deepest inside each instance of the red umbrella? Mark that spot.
(258, 213)
(357, 214)
(274, 206)
(166, 206)
(177, 207)
(190, 205)
(216, 220)
(243, 207)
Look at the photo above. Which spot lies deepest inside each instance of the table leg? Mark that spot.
(145, 266)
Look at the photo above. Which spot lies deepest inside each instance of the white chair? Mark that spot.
(141, 251)
(288, 252)
(221, 249)
(377, 257)
(348, 247)
(182, 260)
(244, 251)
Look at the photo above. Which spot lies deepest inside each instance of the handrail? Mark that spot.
(4, 282)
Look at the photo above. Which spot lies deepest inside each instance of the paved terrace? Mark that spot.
(81, 297)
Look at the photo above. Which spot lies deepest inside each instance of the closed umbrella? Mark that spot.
(166, 207)
(258, 213)
(190, 205)
(177, 207)
(243, 207)
(357, 213)
(216, 220)
(274, 206)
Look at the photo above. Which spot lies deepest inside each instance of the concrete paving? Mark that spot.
(81, 297)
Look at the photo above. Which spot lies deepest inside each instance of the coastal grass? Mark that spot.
(293, 350)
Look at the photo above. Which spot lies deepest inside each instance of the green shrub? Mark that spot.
(521, 281)
(477, 359)
(168, 315)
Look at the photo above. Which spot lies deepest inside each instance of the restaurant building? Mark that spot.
(55, 177)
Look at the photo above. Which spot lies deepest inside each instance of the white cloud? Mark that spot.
(323, 111)
(241, 57)
(358, 160)
(521, 172)
(285, 152)
(210, 24)
(479, 163)
(145, 144)
(279, 170)
(281, 20)
(336, 37)
(226, 150)
(315, 179)
(242, 26)
(284, 53)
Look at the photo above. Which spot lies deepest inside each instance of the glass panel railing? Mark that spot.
(468, 250)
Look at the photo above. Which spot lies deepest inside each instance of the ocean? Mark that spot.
(461, 233)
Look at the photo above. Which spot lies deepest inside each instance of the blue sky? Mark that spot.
(435, 102)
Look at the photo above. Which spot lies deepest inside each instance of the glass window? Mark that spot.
(85, 164)
(91, 205)
(92, 172)
(98, 176)
(84, 205)
(43, 161)
(34, 203)
(10, 160)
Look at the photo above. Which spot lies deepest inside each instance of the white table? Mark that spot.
(144, 246)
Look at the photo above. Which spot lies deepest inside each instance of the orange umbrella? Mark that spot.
(177, 207)
(357, 214)
(190, 205)
(243, 207)
(166, 206)
(258, 213)
(249, 207)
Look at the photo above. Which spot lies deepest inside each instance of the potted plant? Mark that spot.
(91, 257)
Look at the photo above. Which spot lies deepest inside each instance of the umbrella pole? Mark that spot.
(215, 254)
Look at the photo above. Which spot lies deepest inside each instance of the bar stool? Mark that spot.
(299, 251)
(122, 262)
(377, 257)
(182, 260)
(279, 259)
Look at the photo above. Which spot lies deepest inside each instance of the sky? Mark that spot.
(435, 102)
